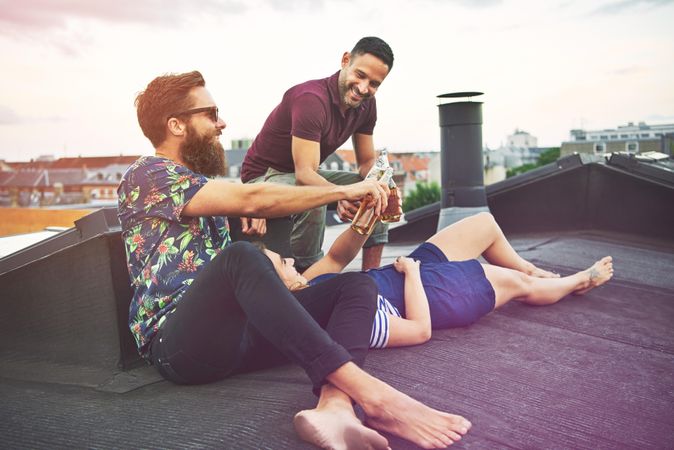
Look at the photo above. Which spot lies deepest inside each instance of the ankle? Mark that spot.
(331, 397)
(529, 268)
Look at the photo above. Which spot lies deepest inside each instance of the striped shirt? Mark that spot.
(381, 325)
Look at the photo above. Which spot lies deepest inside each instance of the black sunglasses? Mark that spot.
(211, 110)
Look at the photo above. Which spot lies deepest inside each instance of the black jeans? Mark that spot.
(238, 315)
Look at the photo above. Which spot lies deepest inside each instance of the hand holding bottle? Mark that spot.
(370, 210)
(373, 193)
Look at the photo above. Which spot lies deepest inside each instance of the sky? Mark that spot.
(72, 68)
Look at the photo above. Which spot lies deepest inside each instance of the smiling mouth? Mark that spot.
(355, 94)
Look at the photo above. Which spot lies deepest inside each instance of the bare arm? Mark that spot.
(306, 158)
(363, 146)
(222, 198)
(416, 327)
(341, 253)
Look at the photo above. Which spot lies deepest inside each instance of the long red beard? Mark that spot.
(203, 154)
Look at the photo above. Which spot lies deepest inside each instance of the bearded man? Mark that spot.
(204, 308)
(312, 121)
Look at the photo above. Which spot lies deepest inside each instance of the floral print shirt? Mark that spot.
(164, 250)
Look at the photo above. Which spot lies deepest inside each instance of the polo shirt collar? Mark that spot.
(333, 89)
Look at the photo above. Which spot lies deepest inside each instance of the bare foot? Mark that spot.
(598, 274)
(337, 429)
(403, 416)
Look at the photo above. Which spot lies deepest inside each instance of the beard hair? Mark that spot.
(203, 154)
(344, 89)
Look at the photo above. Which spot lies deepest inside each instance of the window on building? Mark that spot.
(632, 147)
(334, 165)
(234, 171)
(600, 147)
(624, 136)
(603, 137)
(644, 135)
(614, 136)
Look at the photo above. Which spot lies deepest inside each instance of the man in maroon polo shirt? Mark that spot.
(313, 119)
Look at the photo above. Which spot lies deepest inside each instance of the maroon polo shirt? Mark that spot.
(309, 111)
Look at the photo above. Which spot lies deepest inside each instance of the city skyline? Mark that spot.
(74, 67)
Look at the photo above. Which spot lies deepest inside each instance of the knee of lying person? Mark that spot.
(241, 249)
(360, 282)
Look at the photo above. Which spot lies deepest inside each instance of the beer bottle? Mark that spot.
(365, 219)
(393, 209)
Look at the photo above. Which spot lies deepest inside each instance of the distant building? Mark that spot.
(522, 139)
(630, 138)
(100, 185)
(64, 181)
(241, 144)
(409, 167)
(234, 158)
(521, 148)
(340, 160)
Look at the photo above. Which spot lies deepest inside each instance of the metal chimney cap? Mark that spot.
(460, 94)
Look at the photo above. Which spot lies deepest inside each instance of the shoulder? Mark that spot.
(312, 90)
(156, 172)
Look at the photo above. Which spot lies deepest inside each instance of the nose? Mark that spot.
(220, 123)
(363, 87)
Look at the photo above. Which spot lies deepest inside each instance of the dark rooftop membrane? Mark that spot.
(590, 372)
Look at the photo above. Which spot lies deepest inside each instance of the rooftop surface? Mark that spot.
(594, 371)
(590, 372)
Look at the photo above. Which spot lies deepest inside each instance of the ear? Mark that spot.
(346, 59)
(176, 127)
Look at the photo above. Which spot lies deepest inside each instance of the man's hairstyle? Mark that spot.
(165, 95)
(376, 47)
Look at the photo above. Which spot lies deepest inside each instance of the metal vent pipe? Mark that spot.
(463, 192)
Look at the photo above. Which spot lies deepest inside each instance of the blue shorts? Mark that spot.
(458, 291)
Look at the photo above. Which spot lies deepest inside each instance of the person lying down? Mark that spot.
(441, 284)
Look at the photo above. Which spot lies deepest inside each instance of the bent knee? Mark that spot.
(359, 285)
(360, 281)
(485, 217)
(240, 248)
(241, 253)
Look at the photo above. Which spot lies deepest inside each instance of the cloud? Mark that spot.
(294, 5)
(471, 3)
(45, 14)
(617, 7)
(49, 21)
(8, 116)
(628, 70)
(660, 118)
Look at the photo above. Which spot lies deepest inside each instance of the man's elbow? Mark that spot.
(303, 177)
(255, 204)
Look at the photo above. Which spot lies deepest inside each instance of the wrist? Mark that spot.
(339, 193)
(413, 271)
